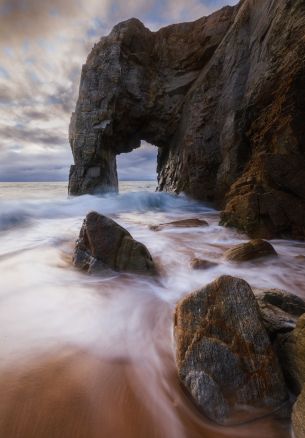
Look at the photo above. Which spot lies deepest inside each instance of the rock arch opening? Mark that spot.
(138, 165)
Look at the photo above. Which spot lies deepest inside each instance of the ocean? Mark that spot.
(96, 353)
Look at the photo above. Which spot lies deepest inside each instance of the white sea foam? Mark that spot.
(47, 304)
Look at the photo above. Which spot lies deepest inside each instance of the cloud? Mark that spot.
(45, 165)
(138, 165)
(25, 134)
(43, 45)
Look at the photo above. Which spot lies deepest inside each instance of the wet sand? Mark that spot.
(125, 387)
(90, 357)
(75, 394)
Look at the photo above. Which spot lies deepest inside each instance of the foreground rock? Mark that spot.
(252, 250)
(223, 353)
(280, 310)
(184, 223)
(103, 244)
(223, 98)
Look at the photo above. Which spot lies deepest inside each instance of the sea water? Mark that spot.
(88, 356)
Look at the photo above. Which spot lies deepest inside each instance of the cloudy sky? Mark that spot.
(43, 44)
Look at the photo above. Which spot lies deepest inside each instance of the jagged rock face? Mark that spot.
(133, 88)
(224, 100)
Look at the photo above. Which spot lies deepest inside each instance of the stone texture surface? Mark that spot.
(103, 244)
(280, 310)
(184, 223)
(223, 353)
(223, 98)
(252, 250)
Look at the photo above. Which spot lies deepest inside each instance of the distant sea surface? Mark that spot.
(87, 356)
(32, 190)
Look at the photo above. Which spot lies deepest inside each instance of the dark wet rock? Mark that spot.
(280, 310)
(104, 244)
(223, 353)
(184, 223)
(223, 98)
(252, 250)
(199, 264)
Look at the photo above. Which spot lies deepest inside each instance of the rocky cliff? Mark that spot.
(223, 98)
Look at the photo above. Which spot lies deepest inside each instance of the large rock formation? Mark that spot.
(224, 355)
(223, 98)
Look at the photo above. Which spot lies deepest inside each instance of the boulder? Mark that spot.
(280, 310)
(199, 264)
(184, 223)
(104, 244)
(223, 353)
(252, 250)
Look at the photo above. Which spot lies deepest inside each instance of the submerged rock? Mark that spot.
(104, 244)
(223, 98)
(252, 250)
(184, 223)
(223, 353)
(199, 264)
